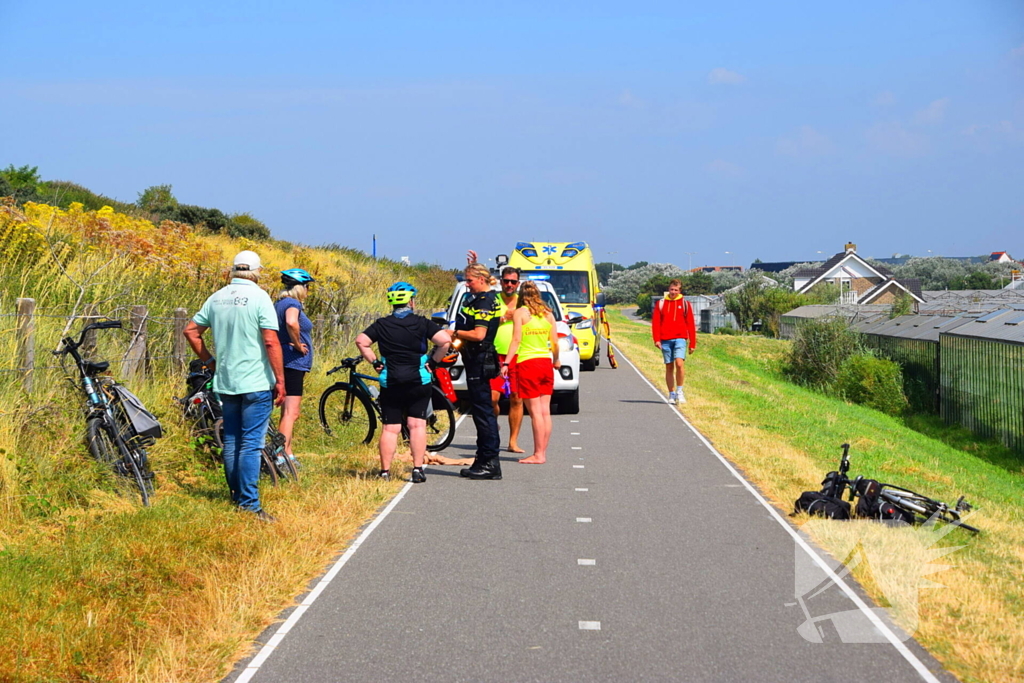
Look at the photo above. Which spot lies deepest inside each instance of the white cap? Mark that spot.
(249, 259)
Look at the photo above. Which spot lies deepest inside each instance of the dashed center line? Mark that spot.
(583, 520)
(578, 467)
(583, 490)
(590, 625)
(585, 563)
(573, 420)
(574, 433)
(577, 448)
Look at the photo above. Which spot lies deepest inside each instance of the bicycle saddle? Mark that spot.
(95, 368)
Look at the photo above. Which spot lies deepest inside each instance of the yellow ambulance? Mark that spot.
(569, 268)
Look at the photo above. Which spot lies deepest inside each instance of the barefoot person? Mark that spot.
(675, 333)
(295, 331)
(535, 350)
(507, 300)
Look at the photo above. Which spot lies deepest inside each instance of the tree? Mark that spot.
(903, 304)
(159, 200)
(723, 280)
(22, 183)
(244, 225)
(624, 285)
(979, 279)
(637, 265)
(698, 283)
(605, 269)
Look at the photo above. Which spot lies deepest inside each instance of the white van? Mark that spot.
(566, 398)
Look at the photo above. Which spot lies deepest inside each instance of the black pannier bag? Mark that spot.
(870, 504)
(198, 376)
(143, 422)
(821, 504)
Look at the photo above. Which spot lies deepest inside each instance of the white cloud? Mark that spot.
(1004, 130)
(885, 98)
(1017, 51)
(628, 99)
(724, 76)
(933, 113)
(892, 138)
(725, 169)
(806, 143)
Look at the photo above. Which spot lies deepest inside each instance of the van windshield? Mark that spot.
(572, 286)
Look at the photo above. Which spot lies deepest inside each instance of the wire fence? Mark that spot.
(147, 345)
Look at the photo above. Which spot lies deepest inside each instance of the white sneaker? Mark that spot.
(680, 397)
(672, 397)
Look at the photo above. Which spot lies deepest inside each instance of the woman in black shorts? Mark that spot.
(295, 330)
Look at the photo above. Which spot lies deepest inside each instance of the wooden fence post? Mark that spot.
(26, 341)
(135, 358)
(179, 347)
(88, 348)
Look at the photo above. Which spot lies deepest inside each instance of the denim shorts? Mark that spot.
(673, 348)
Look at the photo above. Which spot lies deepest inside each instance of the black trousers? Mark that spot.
(488, 441)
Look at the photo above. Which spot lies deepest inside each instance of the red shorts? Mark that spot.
(498, 383)
(535, 378)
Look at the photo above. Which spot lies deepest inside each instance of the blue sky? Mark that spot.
(735, 130)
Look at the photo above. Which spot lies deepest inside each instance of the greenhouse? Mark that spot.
(982, 376)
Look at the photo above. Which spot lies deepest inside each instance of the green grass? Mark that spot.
(784, 438)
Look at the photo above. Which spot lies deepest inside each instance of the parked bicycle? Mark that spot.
(879, 500)
(113, 438)
(202, 410)
(354, 405)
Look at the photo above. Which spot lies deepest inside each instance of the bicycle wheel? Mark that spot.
(441, 423)
(100, 441)
(267, 466)
(923, 507)
(135, 463)
(346, 409)
(284, 465)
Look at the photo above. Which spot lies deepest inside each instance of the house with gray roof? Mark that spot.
(858, 281)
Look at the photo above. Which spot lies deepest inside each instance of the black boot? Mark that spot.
(483, 469)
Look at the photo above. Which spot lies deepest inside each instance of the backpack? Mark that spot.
(871, 505)
(827, 502)
(198, 377)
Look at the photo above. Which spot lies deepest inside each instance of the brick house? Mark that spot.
(858, 281)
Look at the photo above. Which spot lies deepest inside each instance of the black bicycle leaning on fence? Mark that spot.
(202, 411)
(354, 405)
(118, 428)
(878, 500)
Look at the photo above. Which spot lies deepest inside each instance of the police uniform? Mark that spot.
(482, 310)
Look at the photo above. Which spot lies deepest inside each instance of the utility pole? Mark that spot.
(689, 260)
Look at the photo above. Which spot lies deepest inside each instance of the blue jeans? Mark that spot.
(245, 427)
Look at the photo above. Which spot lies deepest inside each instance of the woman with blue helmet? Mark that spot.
(295, 331)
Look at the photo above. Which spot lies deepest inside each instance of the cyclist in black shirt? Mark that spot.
(476, 323)
(402, 339)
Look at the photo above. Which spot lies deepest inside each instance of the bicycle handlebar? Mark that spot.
(67, 344)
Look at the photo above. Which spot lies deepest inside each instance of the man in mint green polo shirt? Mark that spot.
(249, 377)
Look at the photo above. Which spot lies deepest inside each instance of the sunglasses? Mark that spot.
(510, 282)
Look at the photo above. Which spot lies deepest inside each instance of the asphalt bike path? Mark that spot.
(635, 554)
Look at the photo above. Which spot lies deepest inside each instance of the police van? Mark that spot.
(566, 398)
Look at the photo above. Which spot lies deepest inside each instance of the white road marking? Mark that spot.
(577, 448)
(583, 490)
(583, 520)
(573, 420)
(293, 619)
(574, 433)
(911, 658)
(578, 467)
(590, 625)
(585, 563)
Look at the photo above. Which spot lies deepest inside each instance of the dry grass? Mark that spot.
(785, 438)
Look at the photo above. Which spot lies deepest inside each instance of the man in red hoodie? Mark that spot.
(675, 333)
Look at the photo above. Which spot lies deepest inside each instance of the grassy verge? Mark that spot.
(104, 590)
(785, 438)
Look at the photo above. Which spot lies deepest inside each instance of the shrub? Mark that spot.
(819, 351)
(873, 382)
(644, 305)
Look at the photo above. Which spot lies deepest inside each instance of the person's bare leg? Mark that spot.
(389, 444)
(289, 414)
(417, 440)
(670, 377)
(495, 397)
(680, 371)
(515, 422)
(540, 420)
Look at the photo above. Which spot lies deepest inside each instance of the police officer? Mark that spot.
(476, 323)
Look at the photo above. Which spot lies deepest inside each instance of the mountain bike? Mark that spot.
(927, 510)
(111, 437)
(354, 406)
(202, 409)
